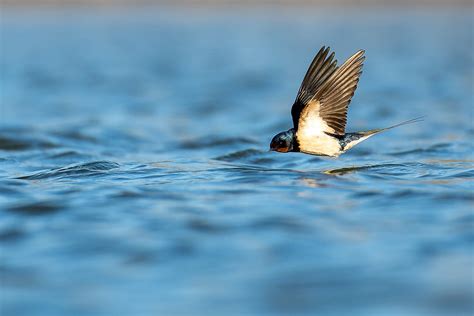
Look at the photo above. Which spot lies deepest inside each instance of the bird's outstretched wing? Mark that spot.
(324, 101)
(321, 68)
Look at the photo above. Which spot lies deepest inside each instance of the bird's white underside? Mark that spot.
(311, 134)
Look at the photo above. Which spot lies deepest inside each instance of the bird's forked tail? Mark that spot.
(352, 139)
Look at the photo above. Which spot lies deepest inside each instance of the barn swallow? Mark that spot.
(320, 110)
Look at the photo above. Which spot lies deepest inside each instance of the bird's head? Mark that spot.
(283, 142)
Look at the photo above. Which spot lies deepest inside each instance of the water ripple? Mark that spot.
(81, 170)
(37, 208)
(376, 167)
(431, 149)
(241, 155)
(17, 143)
(205, 142)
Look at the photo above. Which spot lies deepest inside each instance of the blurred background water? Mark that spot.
(135, 177)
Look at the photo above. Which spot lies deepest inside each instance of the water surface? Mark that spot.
(135, 177)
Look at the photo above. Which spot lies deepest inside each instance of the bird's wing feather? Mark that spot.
(336, 93)
(321, 69)
(325, 110)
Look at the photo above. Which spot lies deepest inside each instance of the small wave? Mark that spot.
(346, 170)
(284, 223)
(68, 154)
(17, 144)
(467, 174)
(456, 196)
(431, 149)
(11, 234)
(76, 135)
(206, 226)
(36, 208)
(209, 142)
(451, 175)
(240, 155)
(86, 169)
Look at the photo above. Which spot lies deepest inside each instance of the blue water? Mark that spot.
(135, 177)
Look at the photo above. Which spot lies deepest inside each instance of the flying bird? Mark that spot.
(320, 110)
